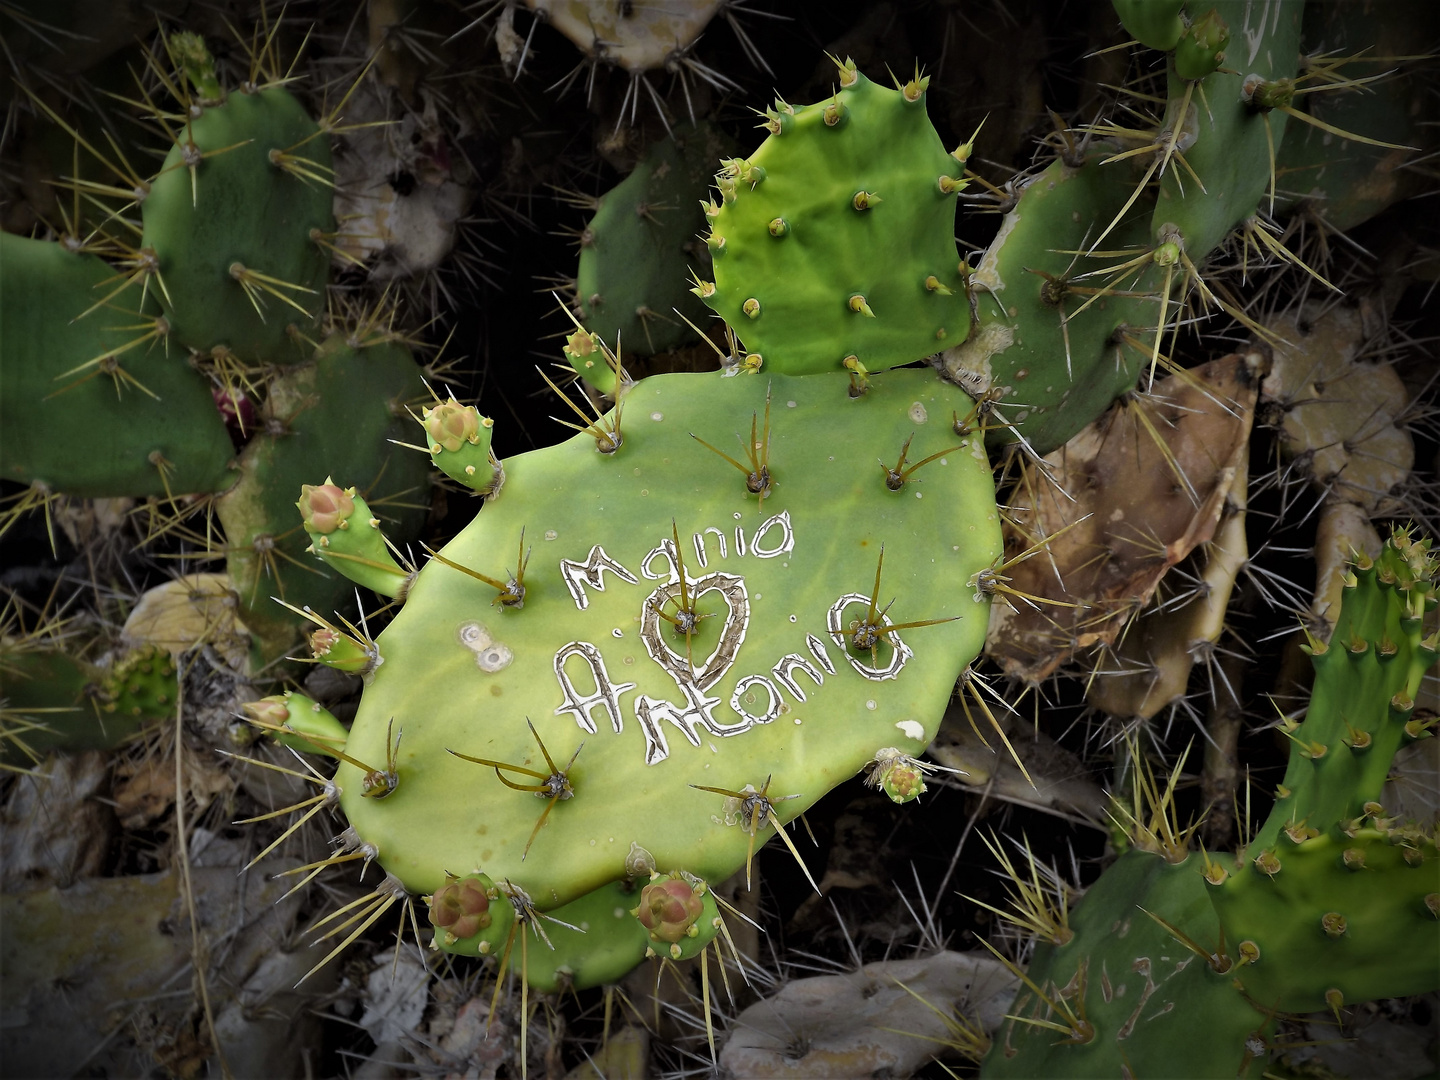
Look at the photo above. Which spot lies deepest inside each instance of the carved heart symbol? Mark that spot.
(731, 587)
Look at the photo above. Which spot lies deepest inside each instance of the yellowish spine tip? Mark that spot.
(857, 304)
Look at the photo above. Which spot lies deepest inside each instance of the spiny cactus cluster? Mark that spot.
(1332, 901)
(123, 355)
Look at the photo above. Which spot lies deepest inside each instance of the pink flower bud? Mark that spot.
(452, 425)
(669, 908)
(461, 906)
(323, 508)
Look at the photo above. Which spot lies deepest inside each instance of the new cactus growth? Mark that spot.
(1331, 903)
(49, 700)
(834, 240)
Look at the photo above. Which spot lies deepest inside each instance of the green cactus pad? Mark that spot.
(773, 694)
(53, 701)
(344, 408)
(104, 436)
(1154, 23)
(1145, 995)
(1017, 351)
(1343, 748)
(1230, 153)
(140, 688)
(837, 240)
(608, 943)
(640, 248)
(238, 215)
(1320, 925)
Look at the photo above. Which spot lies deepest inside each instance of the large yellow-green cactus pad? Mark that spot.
(772, 688)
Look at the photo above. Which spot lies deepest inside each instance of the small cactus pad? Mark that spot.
(585, 643)
(836, 238)
(229, 220)
(640, 247)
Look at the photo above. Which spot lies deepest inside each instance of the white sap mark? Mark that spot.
(918, 414)
(791, 404)
(617, 632)
(490, 655)
(820, 653)
(899, 654)
(495, 658)
(666, 550)
(787, 537)
(657, 416)
(577, 575)
(772, 705)
(911, 729)
(551, 534)
(737, 515)
(793, 619)
(607, 692)
(473, 636)
(700, 550)
(739, 540)
(872, 705)
(784, 672)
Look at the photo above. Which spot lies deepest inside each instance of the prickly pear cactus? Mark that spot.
(51, 700)
(638, 250)
(642, 661)
(87, 406)
(834, 241)
(765, 684)
(232, 218)
(1331, 903)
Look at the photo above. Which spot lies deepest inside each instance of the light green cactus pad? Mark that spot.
(770, 690)
(836, 238)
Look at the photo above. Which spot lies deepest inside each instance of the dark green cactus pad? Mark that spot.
(773, 694)
(344, 409)
(68, 423)
(53, 701)
(1333, 903)
(1028, 311)
(1344, 181)
(1322, 926)
(1230, 151)
(638, 251)
(244, 211)
(1153, 1007)
(794, 235)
